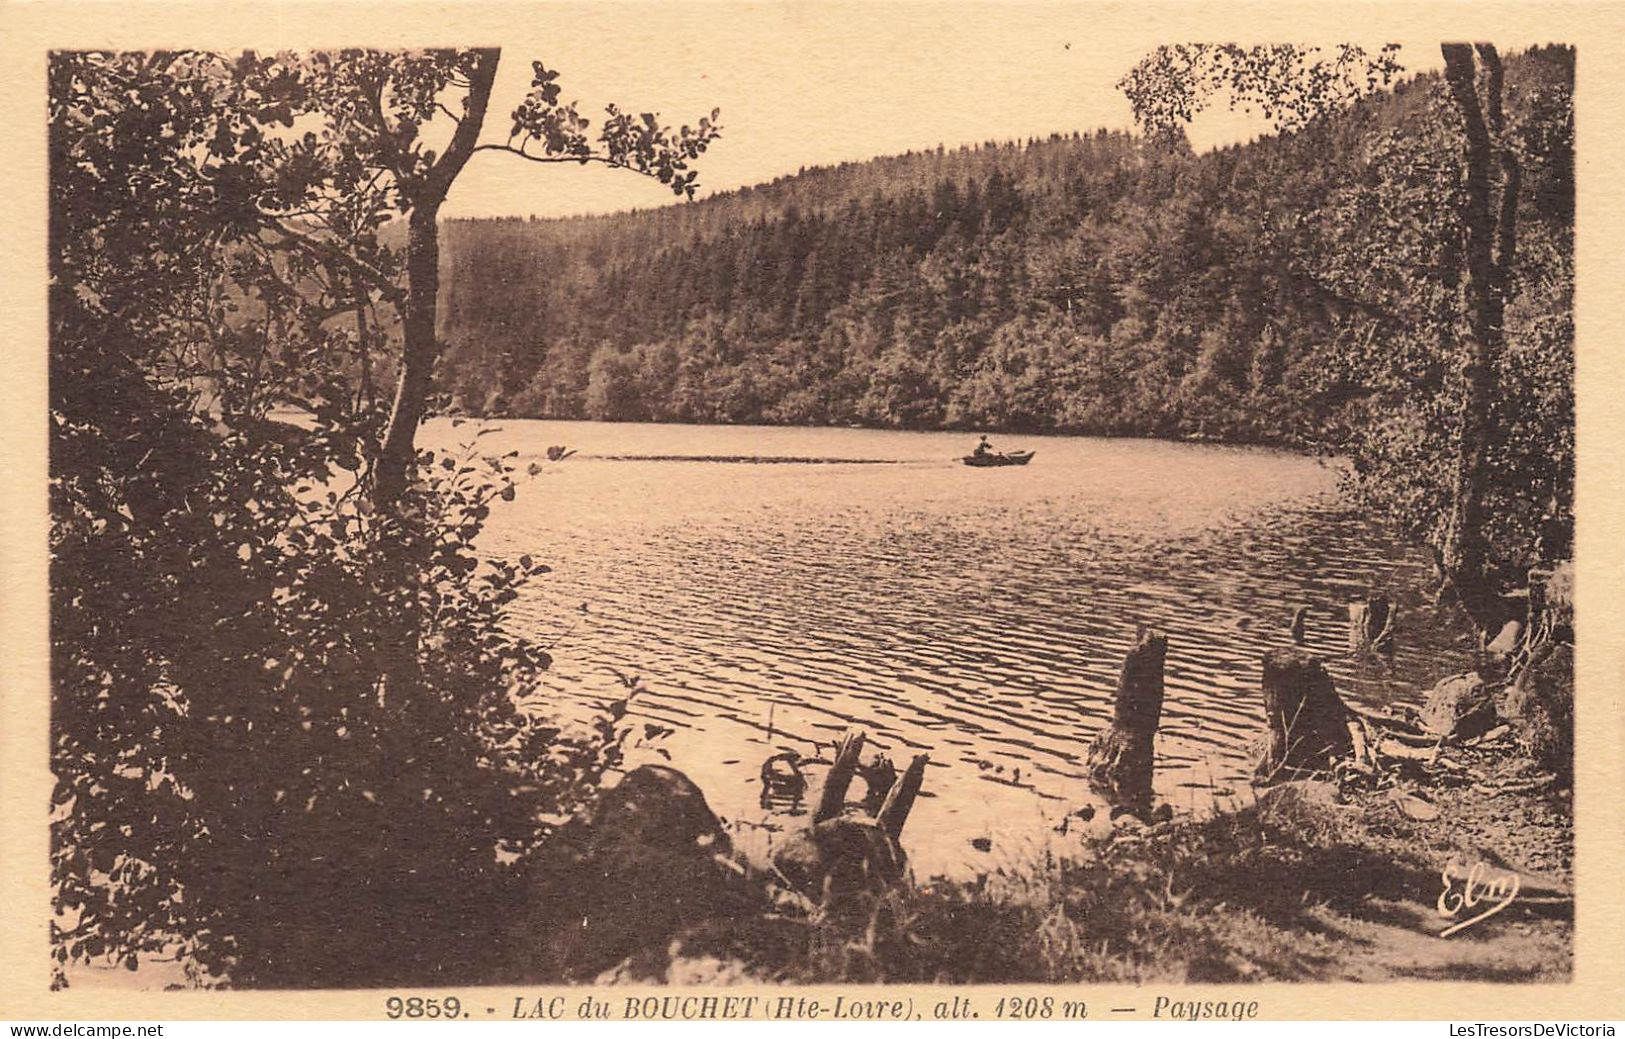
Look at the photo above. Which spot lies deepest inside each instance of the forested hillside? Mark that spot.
(1089, 282)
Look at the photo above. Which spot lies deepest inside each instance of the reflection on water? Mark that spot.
(979, 615)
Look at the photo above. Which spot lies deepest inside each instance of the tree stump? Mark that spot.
(848, 757)
(845, 853)
(879, 776)
(835, 860)
(1309, 725)
(1371, 626)
(1122, 759)
(899, 800)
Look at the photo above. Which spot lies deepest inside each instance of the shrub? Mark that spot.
(284, 731)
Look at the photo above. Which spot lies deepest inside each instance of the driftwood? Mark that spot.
(1390, 725)
(1122, 760)
(1371, 626)
(1401, 751)
(1310, 727)
(845, 852)
(783, 783)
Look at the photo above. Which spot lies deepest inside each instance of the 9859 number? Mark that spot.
(419, 1008)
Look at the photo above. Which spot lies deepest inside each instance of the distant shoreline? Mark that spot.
(1285, 444)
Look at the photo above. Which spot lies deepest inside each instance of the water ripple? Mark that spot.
(980, 616)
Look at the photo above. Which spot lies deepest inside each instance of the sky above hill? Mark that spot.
(805, 84)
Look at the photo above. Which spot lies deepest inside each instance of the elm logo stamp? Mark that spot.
(1467, 890)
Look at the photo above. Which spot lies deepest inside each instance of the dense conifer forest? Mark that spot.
(1087, 282)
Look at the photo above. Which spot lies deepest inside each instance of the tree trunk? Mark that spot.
(397, 455)
(418, 352)
(1464, 556)
(420, 349)
(842, 854)
(1308, 722)
(1506, 222)
(1122, 760)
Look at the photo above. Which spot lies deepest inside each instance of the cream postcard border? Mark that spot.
(30, 29)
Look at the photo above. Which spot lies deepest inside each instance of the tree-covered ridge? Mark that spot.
(1321, 287)
(1087, 283)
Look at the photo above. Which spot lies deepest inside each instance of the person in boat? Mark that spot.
(983, 448)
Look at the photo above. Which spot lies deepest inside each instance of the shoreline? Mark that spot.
(1354, 899)
(1295, 446)
(1438, 845)
(1356, 883)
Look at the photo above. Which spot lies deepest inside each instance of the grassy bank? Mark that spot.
(1310, 881)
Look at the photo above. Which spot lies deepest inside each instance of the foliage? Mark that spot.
(237, 781)
(1291, 86)
(1391, 240)
(1024, 296)
(284, 731)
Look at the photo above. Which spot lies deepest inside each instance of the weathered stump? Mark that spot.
(1371, 626)
(847, 852)
(1299, 625)
(837, 859)
(848, 758)
(1122, 759)
(1309, 725)
(899, 800)
(879, 775)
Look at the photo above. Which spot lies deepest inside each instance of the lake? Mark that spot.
(773, 587)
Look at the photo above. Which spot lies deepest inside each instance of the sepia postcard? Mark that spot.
(813, 511)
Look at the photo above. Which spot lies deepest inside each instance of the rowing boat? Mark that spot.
(989, 460)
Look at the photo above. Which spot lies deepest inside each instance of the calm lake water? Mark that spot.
(865, 578)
